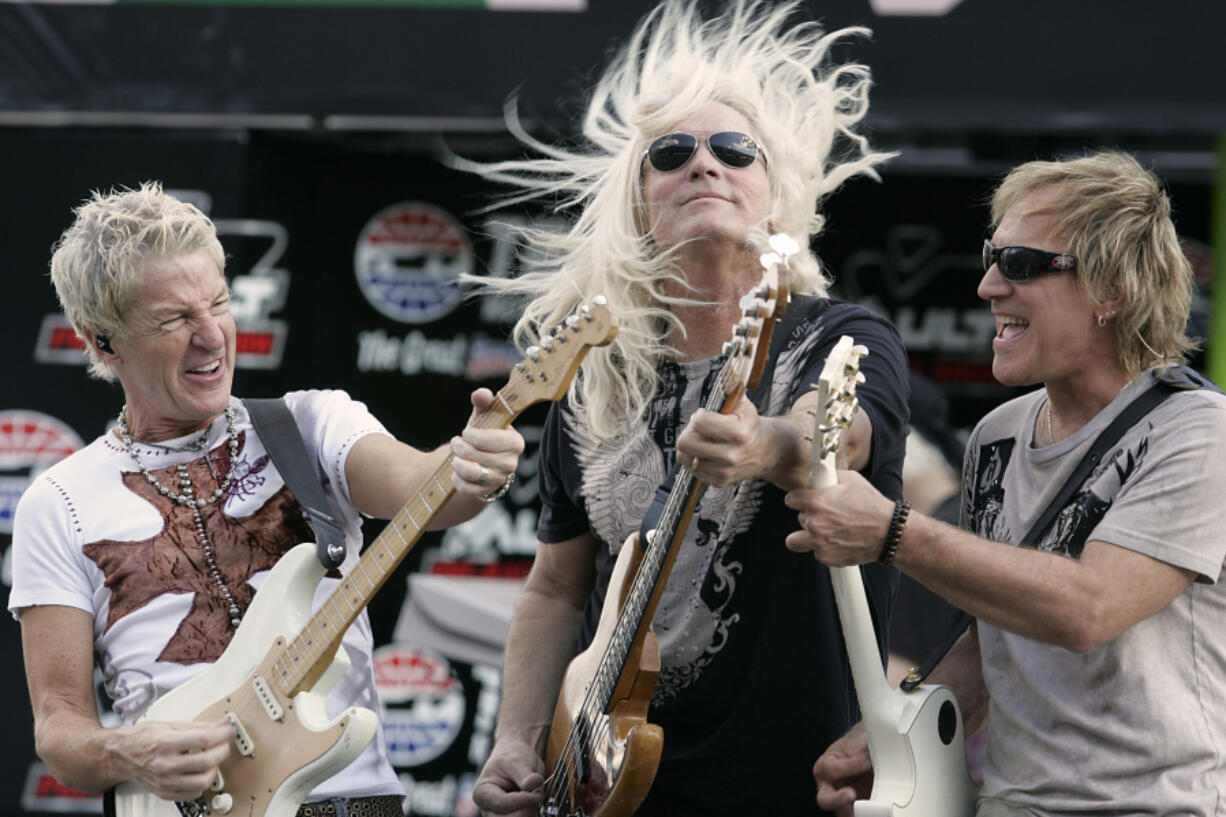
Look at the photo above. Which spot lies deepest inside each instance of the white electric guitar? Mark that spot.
(915, 739)
(272, 678)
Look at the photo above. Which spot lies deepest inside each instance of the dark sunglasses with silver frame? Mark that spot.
(673, 151)
(1017, 264)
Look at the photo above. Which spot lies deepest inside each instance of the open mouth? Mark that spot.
(1009, 328)
(208, 368)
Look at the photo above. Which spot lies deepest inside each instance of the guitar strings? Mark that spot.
(591, 712)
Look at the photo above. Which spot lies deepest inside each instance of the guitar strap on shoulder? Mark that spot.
(1177, 378)
(281, 438)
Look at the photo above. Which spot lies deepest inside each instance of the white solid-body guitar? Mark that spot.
(915, 739)
(273, 677)
(286, 745)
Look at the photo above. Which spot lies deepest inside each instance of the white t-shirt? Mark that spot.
(91, 533)
(1136, 725)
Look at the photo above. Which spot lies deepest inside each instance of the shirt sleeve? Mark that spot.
(883, 396)
(331, 423)
(562, 513)
(47, 565)
(1169, 508)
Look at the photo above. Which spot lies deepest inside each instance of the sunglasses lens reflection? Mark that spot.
(672, 151)
(733, 149)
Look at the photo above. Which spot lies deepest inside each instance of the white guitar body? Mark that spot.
(301, 748)
(915, 739)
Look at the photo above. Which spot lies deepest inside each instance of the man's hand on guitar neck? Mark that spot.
(844, 773)
(510, 782)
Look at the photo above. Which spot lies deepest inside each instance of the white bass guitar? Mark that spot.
(915, 739)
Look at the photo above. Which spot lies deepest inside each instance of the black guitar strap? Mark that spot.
(277, 430)
(1177, 378)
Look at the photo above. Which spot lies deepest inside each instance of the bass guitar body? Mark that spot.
(285, 745)
(610, 756)
(922, 767)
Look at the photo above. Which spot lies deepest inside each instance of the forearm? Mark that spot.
(1022, 590)
(540, 644)
(78, 750)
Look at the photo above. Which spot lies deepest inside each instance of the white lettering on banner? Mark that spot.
(377, 352)
(415, 354)
(421, 354)
(490, 679)
(434, 798)
(944, 329)
(966, 331)
(490, 535)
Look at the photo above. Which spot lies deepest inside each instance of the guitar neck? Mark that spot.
(659, 553)
(872, 688)
(311, 651)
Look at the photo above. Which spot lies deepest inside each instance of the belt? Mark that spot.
(384, 805)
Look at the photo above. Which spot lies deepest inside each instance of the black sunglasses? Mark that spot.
(673, 151)
(1018, 264)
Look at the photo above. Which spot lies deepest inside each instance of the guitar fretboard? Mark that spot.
(298, 665)
(686, 491)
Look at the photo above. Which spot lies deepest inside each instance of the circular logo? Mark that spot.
(424, 703)
(30, 442)
(408, 262)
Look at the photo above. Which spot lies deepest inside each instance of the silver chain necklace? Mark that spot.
(186, 494)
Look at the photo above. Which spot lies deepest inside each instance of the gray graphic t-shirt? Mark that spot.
(1137, 725)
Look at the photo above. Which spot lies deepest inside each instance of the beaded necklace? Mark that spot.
(186, 494)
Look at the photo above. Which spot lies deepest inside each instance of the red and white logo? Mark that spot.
(423, 703)
(408, 262)
(30, 443)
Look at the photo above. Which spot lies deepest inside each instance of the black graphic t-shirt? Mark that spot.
(754, 682)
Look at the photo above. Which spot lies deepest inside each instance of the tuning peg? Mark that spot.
(571, 322)
(600, 300)
(522, 369)
(533, 353)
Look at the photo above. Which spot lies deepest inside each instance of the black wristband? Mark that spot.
(894, 535)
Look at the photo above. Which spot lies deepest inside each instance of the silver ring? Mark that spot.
(485, 476)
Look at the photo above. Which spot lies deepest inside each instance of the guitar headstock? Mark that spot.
(836, 405)
(547, 369)
(761, 308)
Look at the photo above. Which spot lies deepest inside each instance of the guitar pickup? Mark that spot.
(246, 747)
(264, 692)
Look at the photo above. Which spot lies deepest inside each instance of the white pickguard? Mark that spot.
(291, 755)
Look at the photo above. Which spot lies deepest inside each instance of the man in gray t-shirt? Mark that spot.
(1097, 651)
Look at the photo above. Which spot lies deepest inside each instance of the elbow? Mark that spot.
(1087, 627)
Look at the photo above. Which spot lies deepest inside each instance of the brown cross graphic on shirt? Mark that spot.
(172, 561)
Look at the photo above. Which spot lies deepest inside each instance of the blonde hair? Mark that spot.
(803, 110)
(96, 263)
(1115, 218)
